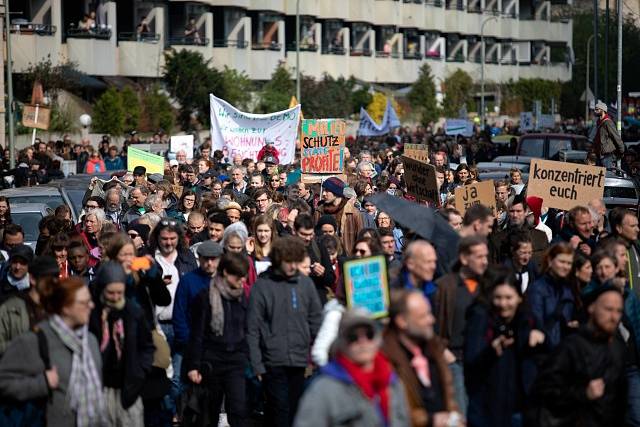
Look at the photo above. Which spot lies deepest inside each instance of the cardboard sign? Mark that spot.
(153, 163)
(322, 149)
(182, 143)
(421, 180)
(419, 152)
(480, 193)
(366, 285)
(565, 185)
(35, 116)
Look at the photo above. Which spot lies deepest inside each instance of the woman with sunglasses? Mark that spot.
(95, 164)
(357, 387)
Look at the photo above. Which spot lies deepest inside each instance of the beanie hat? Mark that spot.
(334, 185)
(535, 204)
(110, 272)
(142, 229)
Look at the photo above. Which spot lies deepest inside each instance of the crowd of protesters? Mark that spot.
(214, 293)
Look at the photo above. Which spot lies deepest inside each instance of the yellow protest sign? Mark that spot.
(153, 162)
(565, 185)
(480, 193)
(418, 152)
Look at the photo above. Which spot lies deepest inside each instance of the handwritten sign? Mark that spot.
(153, 163)
(36, 117)
(565, 185)
(480, 193)
(419, 152)
(421, 179)
(367, 286)
(322, 149)
(238, 133)
(182, 143)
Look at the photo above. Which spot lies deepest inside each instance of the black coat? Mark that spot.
(138, 348)
(558, 397)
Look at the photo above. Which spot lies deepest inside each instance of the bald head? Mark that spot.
(420, 261)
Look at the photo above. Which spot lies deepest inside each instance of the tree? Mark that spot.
(422, 96)
(457, 92)
(379, 104)
(277, 92)
(525, 91)
(53, 77)
(326, 97)
(237, 88)
(109, 113)
(62, 119)
(189, 79)
(157, 109)
(131, 105)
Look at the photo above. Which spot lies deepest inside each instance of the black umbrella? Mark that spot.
(423, 221)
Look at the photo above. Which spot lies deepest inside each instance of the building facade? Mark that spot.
(377, 41)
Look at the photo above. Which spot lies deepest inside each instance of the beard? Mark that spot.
(419, 335)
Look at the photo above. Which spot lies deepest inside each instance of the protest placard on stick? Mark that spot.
(153, 162)
(419, 152)
(366, 285)
(565, 185)
(322, 150)
(480, 193)
(421, 179)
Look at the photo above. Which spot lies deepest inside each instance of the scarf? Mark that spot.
(375, 384)
(85, 385)
(219, 289)
(117, 331)
(19, 284)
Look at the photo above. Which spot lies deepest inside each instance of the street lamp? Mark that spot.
(298, 51)
(85, 121)
(586, 91)
(490, 18)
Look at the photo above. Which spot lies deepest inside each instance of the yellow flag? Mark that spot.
(293, 103)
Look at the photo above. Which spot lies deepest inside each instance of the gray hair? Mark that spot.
(237, 229)
(152, 200)
(98, 213)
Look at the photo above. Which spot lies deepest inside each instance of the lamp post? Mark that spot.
(12, 144)
(619, 85)
(586, 91)
(298, 51)
(482, 59)
(85, 121)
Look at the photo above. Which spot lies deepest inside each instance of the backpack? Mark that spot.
(31, 413)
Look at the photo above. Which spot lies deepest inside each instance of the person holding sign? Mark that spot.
(607, 144)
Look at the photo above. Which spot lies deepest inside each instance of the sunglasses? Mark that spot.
(354, 336)
(91, 206)
(133, 235)
(168, 223)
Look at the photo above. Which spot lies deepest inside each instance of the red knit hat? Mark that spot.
(535, 204)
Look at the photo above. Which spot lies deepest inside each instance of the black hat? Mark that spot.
(44, 265)
(21, 251)
(270, 160)
(110, 272)
(210, 249)
(142, 229)
(155, 178)
(139, 171)
(594, 294)
(327, 219)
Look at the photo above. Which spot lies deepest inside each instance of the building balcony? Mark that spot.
(139, 37)
(273, 46)
(34, 44)
(304, 47)
(141, 55)
(239, 44)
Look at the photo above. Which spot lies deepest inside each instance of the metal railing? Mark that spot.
(100, 33)
(304, 47)
(188, 41)
(32, 28)
(334, 50)
(139, 37)
(412, 55)
(383, 54)
(360, 52)
(266, 46)
(240, 44)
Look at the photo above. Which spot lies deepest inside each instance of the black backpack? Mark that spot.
(31, 413)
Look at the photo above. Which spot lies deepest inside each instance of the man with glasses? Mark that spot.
(262, 199)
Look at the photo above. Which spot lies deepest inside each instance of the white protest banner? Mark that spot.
(526, 120)
(459, 127)
(368, 127)
(565, 185)
(182, 143)
(235, 132)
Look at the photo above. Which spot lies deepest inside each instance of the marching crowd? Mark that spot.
(215, 291)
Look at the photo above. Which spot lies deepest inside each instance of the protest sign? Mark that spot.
(153, 163)
(182, 143)
(238, 133)
(526, 120)
(419, 152)
(318, 179)
(565, 185)
(480, 193)
(421, 179)
(35, 116)
(368, 127)
(322, 149)
(546, 121)
(366, 285)
(459, 127)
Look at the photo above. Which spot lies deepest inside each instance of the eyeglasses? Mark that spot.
(262, 200)
(190, 200)
(354, 336)
(360, 251)
(91, 206)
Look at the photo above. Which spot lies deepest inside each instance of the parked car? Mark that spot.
(28, 215)
(50, 195)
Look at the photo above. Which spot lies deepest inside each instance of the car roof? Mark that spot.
(28, 207)
(38, 190)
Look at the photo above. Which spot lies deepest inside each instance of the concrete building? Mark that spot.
(377, 41)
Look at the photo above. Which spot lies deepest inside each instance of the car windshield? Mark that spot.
(556, 145)
(617, 192)
(532, 147)
(75, 196)
(52, 201)
(29, 222)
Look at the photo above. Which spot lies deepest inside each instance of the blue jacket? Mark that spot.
(114, 164)
(553, 306)
(190, 285)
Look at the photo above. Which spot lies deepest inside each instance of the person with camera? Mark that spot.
(498, 344)
(217, 354)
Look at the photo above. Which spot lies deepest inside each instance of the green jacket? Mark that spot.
(14, 320)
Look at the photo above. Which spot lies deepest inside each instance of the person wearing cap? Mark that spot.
(347, 216)
(583, 381)
(217, 356)
(15, 274)
(126, 345)
(21, 310)
(607, 144)
(152, 180)
(139, 234)
(358, 386)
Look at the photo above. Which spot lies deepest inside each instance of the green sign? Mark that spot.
(153, 162)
